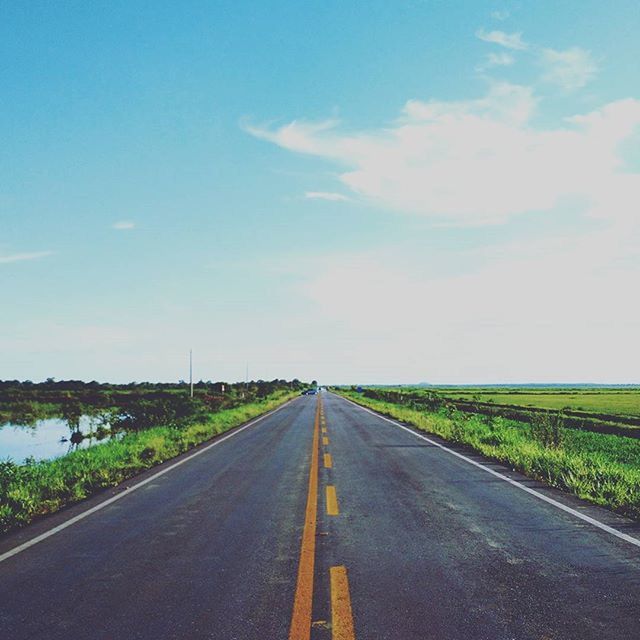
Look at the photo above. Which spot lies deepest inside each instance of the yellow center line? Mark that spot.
(324, 429)
(332, 501)
(328, 463)
(341, 613)
(325, 440)
(302, 605)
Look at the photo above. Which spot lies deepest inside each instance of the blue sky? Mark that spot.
(347, 191)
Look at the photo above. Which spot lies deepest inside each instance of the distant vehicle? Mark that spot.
(309, 392)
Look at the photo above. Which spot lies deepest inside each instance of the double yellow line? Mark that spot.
(341, 613)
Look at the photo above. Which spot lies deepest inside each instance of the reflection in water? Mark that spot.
(43, 438)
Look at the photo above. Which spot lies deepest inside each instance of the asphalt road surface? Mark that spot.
(324, 521)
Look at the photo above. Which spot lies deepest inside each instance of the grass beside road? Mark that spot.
(608, 411)
(604, 469)
(31, 490)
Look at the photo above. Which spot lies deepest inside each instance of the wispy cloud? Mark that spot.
(507, 40)
(124, 225)
(481, 161)
(500, 14)
(326, 195)
(570, 69)
(21, 257)
(296, 134)
(502, 59)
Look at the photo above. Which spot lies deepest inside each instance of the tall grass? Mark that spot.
(37, 488)
(604, 469)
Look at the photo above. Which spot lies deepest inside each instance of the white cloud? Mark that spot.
(508, 40)
(20, 257)
(480, 161)
(550, 311)
(500, 59)
(325, 195)
(557, 308)
(124, 225)
(504, 103)
(296, 135)
(500, 14)
(570, 69)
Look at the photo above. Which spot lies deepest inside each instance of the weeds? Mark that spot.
(548, 429)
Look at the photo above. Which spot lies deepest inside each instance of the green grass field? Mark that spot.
(623, 402)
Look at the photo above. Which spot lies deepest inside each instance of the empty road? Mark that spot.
(324, 521)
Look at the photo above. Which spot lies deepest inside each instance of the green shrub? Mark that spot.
(547, 428)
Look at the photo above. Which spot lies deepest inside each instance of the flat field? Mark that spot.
(615, 402)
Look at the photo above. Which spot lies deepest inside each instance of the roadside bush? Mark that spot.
(547, 429)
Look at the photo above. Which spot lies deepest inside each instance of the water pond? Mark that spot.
(45, 438)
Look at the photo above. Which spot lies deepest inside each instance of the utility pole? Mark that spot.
(246, 379)
(191, 371)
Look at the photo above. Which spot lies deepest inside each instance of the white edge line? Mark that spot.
(130, 490)
(596, 523)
